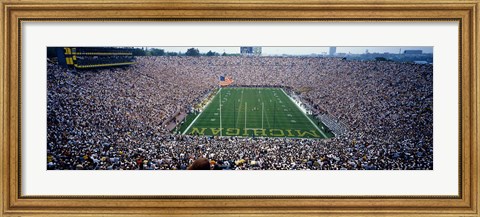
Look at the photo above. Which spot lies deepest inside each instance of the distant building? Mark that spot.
(257, 51)
(333, 51)
(421, 62)
(412, 52)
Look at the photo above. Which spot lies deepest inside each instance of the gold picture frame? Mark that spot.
(14, 12)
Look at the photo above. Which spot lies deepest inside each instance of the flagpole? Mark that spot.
(274, 105)
(245, 115)
(220, 111)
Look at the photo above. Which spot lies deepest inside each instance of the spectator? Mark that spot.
(112, 118)
(200, 164)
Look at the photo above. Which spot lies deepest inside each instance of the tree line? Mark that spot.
(188, 52)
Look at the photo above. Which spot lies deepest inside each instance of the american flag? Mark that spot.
(225, 81)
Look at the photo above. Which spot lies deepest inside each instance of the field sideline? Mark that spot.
(255, 112)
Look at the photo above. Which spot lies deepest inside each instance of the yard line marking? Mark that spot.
(268, 121)
(239, 108)
(325, 136)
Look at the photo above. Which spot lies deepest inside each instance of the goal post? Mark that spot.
(245, 115)
(220, 92)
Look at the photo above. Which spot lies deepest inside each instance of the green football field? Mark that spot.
(254, 112)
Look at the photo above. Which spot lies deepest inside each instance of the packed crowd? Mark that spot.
(111, 119)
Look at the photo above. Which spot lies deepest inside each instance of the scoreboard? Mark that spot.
(94, 57)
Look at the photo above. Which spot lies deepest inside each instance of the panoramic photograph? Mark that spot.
(240, 108)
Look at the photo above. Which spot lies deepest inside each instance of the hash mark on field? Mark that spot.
(293, 121)
(240, 101)
(213, 119)
(215, 113)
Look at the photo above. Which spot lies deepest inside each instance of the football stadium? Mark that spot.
(139, 108)
(255, 112)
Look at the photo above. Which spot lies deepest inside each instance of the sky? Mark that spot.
(304, 50)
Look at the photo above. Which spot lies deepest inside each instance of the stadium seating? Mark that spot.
(94, 57)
